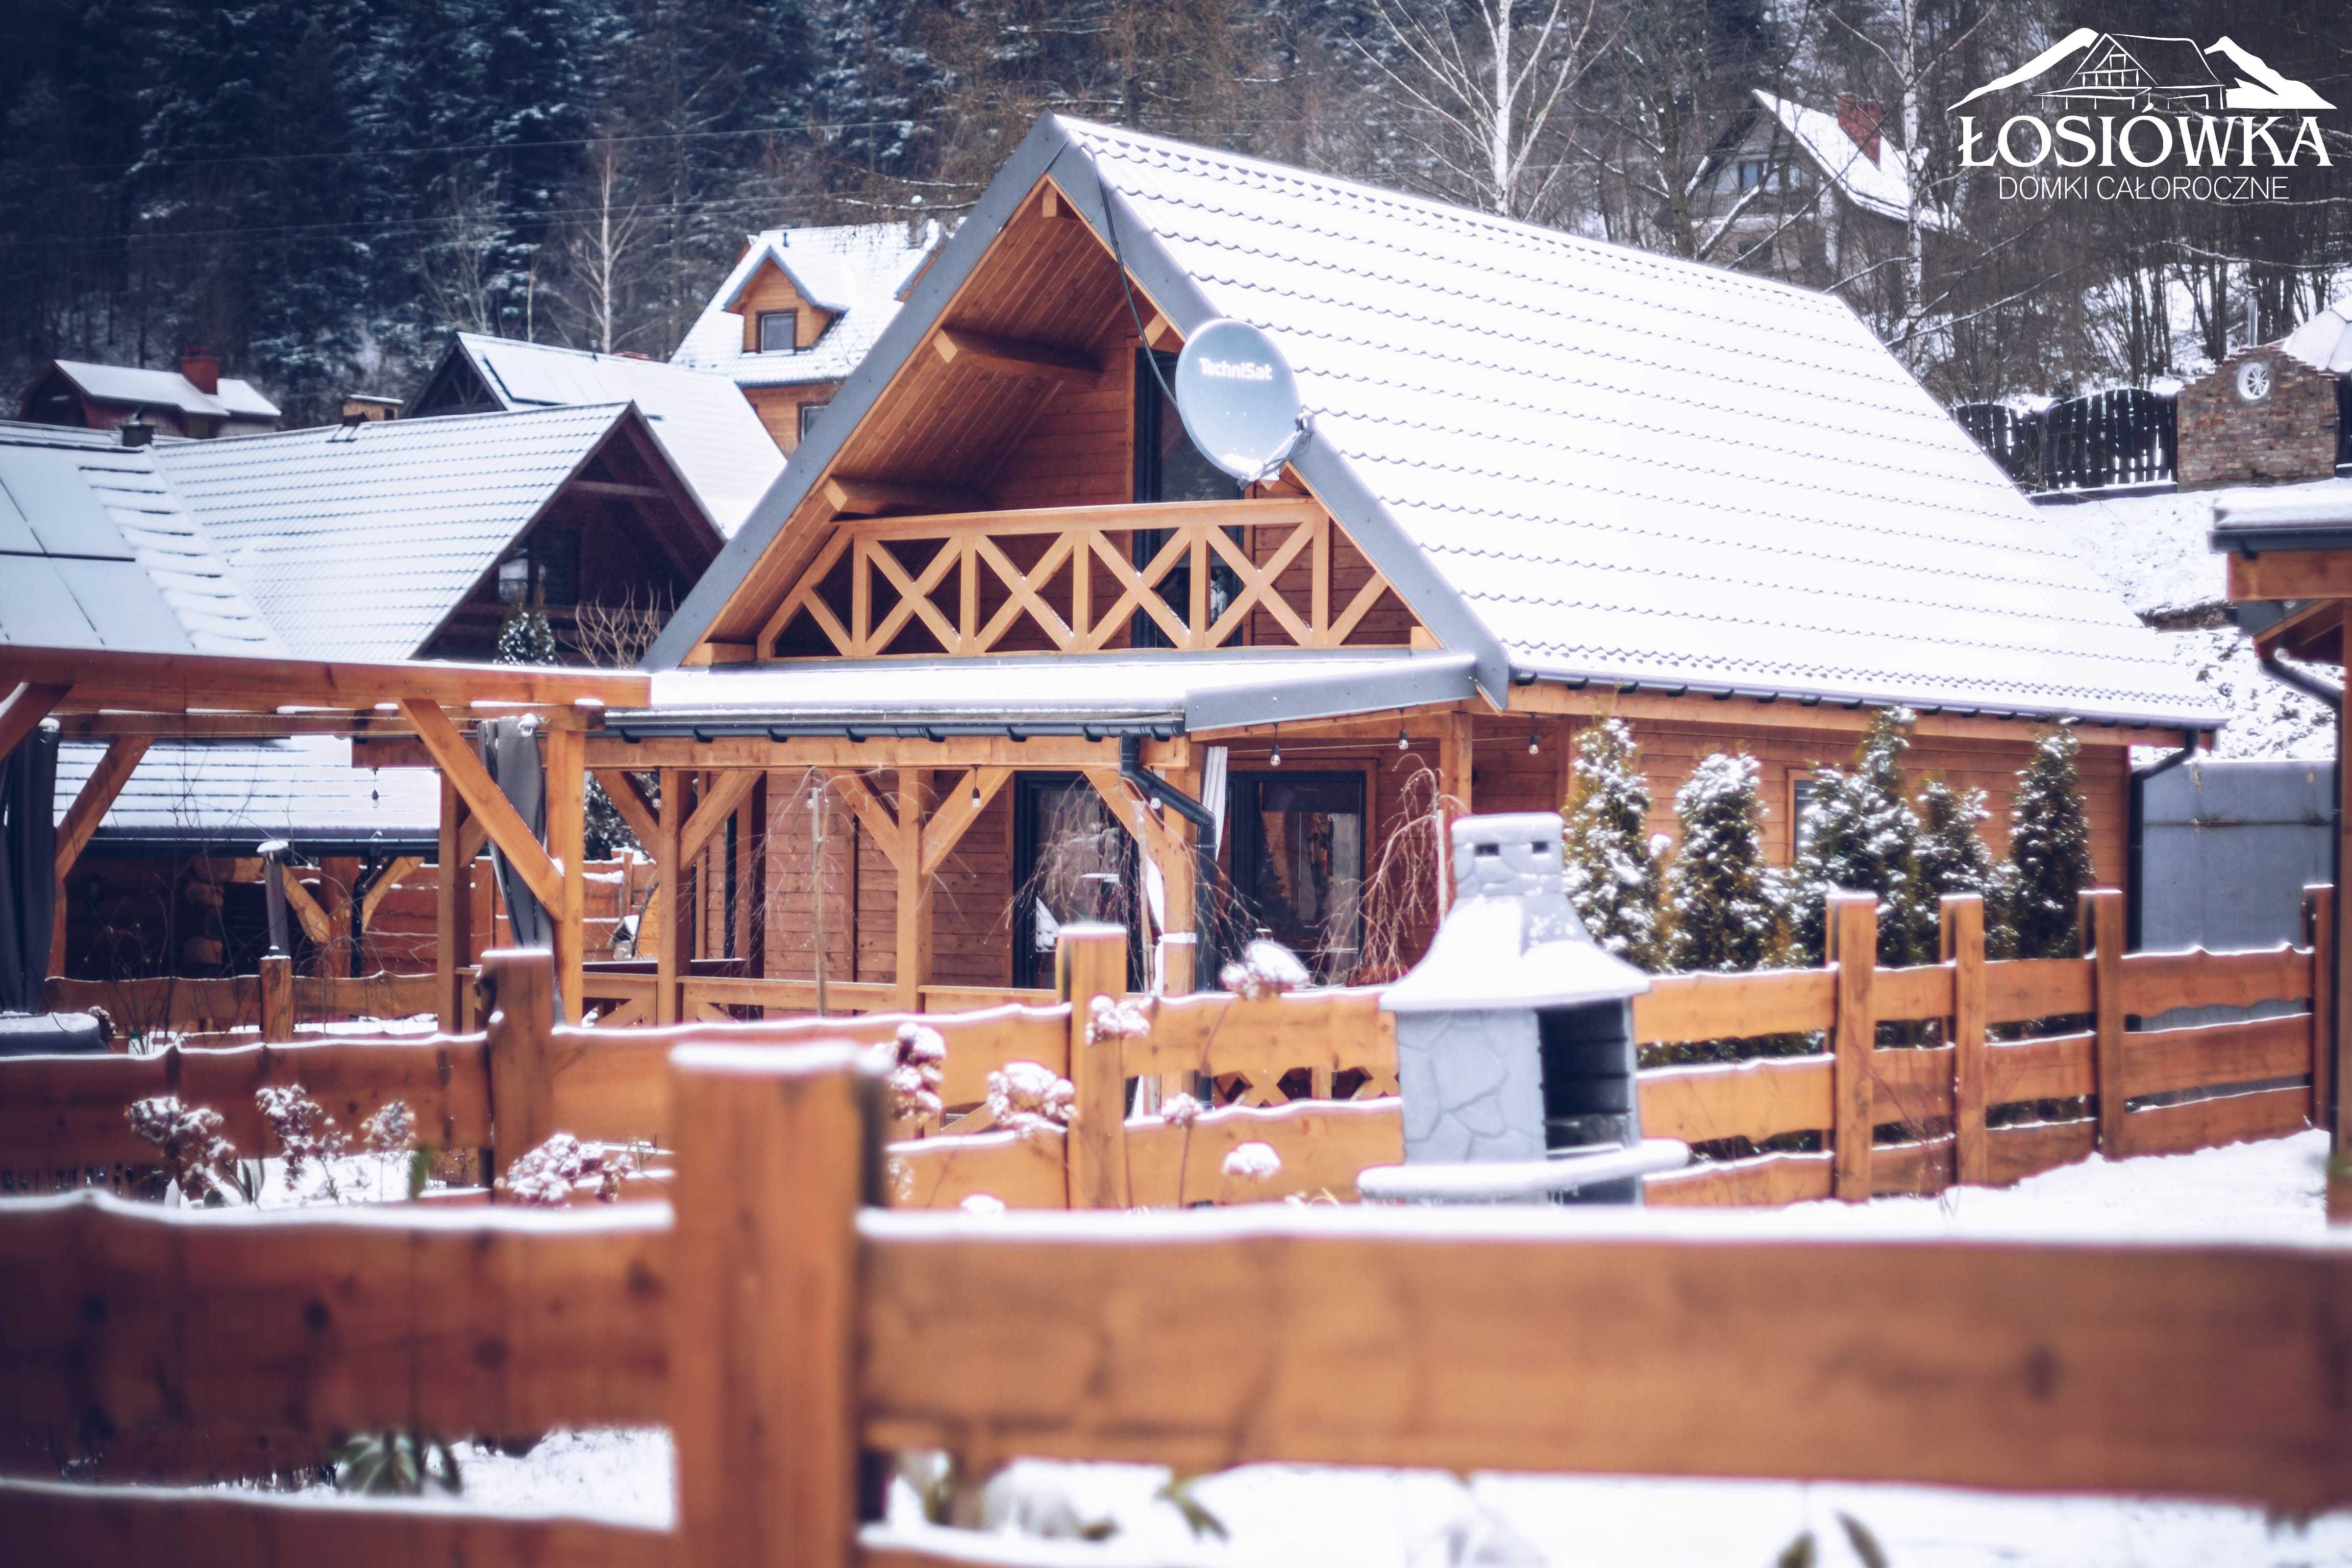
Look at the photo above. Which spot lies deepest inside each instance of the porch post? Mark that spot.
(671, 910)
(567, 819)
(453, 909)
(915, 897)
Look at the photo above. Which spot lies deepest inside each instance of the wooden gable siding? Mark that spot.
(770, 289)
(778, 408)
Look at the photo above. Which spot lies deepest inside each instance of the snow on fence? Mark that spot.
(789, 1334)
(1896, 1119)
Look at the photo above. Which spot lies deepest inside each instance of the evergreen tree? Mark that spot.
(2049, 850)
(1723, 903)
(526, 638)
(1862, 836)
(1613, 869)
(1954, 857)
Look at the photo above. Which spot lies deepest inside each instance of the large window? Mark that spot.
(1298, 864)
(1071, 862)
(780, 331)
(543, 570)
(1168, 467)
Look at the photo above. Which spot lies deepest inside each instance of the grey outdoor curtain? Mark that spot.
(28, 851)
(510, 753)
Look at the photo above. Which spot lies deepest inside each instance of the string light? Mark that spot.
(1535, 744)
(1403, 743)
(975, 796)
(1276, 761)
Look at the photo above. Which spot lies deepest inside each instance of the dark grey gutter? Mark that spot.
(2309, 684)
(2253, 538)
(305, 843)
(1626, 688)
(649, 724)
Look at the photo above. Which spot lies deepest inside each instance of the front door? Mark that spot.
(1298, 864)
(1072, 862)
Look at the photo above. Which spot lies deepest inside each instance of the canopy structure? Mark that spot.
(131, 699)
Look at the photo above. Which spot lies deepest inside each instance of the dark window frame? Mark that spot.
(792, 335)
(1028, 789)
(1245, 836)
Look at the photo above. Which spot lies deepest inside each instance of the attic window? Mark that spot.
(780, 331)
(1751, 172)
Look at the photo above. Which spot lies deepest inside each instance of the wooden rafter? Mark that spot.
(386, 881)
(33, 702)
(486, 800)
(711, 813)
(1016, 357)
(879, 821)
(175, 682)
(306, 911)
(971, 564)
(630, 800)
(96, 797)
(958, 812)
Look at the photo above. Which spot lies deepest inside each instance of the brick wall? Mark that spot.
(2229, 439)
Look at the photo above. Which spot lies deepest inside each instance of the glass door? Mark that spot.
(1071, 862)
(1298, 864)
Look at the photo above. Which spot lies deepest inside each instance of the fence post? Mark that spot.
(1090, 961)
(277, 999)
(519, 1003)
(2103, 947)
(1962, 925)
(782, 1144)
(1850, 931)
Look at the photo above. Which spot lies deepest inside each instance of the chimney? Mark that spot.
(1859, 118)
(202, 367)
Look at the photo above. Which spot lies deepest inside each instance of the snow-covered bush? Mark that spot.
(196, 1161)
(1254, 1162)
(1179, 1109)
(548, 1175)
(916, 1077)
(1029, 1098)
(1264, 969)
(1954, 857)
(1861, 835)
(1723, 904)
(1111, 1018)
(2049, 850)
(1612, 868)
(526, 637)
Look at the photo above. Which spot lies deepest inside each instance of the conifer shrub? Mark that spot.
(1613, 873)
(1723, 905)
(1863, 836)
(2049, 850)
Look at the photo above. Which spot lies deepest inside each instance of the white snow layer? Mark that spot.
(1311, 1518)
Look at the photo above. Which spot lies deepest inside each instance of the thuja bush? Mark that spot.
(1613, 873)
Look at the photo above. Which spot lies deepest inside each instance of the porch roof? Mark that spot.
(1046, 693)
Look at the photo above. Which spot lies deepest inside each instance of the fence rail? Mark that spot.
(1890, 1119)
(782, 1328)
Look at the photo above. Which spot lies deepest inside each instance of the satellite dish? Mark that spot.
(1239, 400)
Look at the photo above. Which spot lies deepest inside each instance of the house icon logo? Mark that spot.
(2134, 102)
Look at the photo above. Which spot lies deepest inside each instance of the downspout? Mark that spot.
(1205, 841)
(2319, 691)
(2136, 837)
(2303, 681)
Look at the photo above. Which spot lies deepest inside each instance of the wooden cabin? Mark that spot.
(196, 400)
(1012, 649)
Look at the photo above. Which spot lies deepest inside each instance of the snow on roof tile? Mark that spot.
(97, 552)
(1881, 186)
(240, 790)
(1639, 467)
(856, 270)
(356, 542)
(700, 417)
(168, 389)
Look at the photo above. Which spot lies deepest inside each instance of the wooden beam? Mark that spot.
(711, 812)
(864, 497)
(104, 726)
(618, 490)
(917, 890)
(31, 703)
(630, 800)
(173, 683)
(668, 911)
(485, 799)
(567, 821)
(306, 910)
(453, 909)
(97, 795)
(1016, 357)
(2292, 574)
(958, 812)
(878, 818)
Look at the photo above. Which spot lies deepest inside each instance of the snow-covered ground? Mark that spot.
(2157, 551)
(1303, 1518)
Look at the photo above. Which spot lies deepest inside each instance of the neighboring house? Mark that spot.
(700, 418)
(2125, 73)
(1547, 478)
(1804, 193)
(369, 541)
(414, 538)
(799, 311)
(196, 400)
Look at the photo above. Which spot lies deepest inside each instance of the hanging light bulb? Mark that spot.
(1403, 743)
(1276, 761)
(1535, 743)
(975, 796)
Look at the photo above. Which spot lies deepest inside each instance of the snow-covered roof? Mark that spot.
(1581, 460)
(858, 271)
(96, 552)
(2325, 342)
(236, 399)
(700, 417)
(1882, 186)
(357, 541)
(1180, 691)
(304, 789)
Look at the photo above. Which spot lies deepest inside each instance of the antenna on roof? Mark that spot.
(1238, 399)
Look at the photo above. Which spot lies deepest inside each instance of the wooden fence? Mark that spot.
(2125, 436)
(790, 1336)
(1892, 1119)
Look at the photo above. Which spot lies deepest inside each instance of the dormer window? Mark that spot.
(780, 331)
